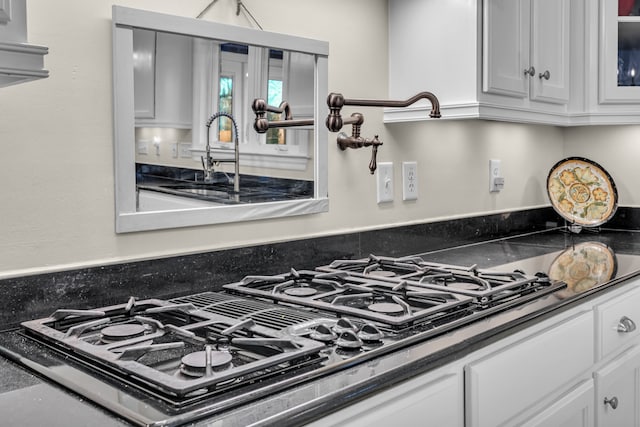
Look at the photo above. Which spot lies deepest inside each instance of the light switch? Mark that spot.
(385, 182)
(496, 180)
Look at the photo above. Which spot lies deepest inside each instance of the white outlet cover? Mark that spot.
(409, 180)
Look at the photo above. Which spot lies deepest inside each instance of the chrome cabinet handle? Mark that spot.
(531, 71)
(626, 325)
(613, 402)
(546, 75)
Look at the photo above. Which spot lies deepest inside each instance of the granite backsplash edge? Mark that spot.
(37, 296)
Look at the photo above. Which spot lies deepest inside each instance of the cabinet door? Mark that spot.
(550, 40)
(174, 77)
(508, 382)
(422, 401)
(573, 409)
(618, 391)
(164, 87)
(144, 69)
(619, 55)
(505, 42)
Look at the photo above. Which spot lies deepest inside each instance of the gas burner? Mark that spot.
(197, 363)
(122, 332)
(379, 267)
(386, 308)
(382, 273)
(456, 280)
(302, 291)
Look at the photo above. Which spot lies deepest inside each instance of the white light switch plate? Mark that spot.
(385, 182)
(496, 181)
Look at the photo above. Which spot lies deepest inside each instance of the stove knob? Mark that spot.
(323, 333)
(344, 325)
(370, 333)
(349, 340)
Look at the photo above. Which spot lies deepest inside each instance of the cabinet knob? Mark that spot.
(531, 71)
(626, 325)
(546, 75)
(613, 402)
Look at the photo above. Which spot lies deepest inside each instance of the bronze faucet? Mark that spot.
(356, 141)
(262, 124)
(334, 122)
(335, 102)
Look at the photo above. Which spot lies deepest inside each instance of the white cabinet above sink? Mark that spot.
(19, 61)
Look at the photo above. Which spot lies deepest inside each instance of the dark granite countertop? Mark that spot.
(309, 401)
(26, 400)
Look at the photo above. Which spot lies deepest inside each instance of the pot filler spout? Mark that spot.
(334, 122)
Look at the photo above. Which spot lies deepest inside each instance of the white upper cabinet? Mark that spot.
(560, 62)
(526, 49)
(612, 62)
(20, 62)
(163, 79)
(492, 59)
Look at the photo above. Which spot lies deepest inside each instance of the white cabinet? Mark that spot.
(163, 80)
(144, 70)
(19, 61)
(610, 64)
(473, 57)
(620, 56)
(617, 379)
(618, 391)
(431, 399)
(572, 409)
(512, 379)
(616, 322)
(526, 49)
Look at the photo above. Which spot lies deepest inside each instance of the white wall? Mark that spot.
(616, 149)
(57, 164)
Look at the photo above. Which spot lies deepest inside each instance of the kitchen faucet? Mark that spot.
(262, 123)
(334, 122)
(208, 161)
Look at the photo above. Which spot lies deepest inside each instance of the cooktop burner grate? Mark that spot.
(487, 287)
(398, 305)
(264, 314)
(148, 341)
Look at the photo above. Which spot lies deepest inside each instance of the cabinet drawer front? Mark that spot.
(424, 400)
(617, 322)
(512, 379)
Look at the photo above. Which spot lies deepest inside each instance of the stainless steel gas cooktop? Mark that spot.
(157, 362)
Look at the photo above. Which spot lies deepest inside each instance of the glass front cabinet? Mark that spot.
(620, 52)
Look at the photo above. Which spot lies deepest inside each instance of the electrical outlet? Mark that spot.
(385, 182)
(409, 180)
(496, 181)
(185, 150)
(142, 146)
(174, 150)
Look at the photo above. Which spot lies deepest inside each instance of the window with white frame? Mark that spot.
(246, 73)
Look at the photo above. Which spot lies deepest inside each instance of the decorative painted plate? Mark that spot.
(584, 266)
(582, 192)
